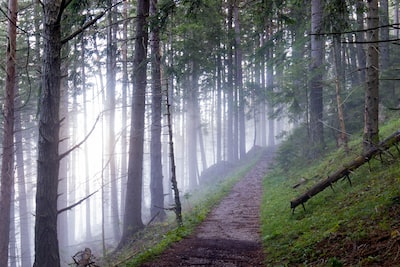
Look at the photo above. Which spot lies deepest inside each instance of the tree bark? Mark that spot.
(219, 110)
(63, 220)
(371, 111)
(316, 94)
(230, 143)
(88, 227)
(156, 179)
(342, 138)
(7, 162)
(125, 88)
(111, 142)
(23, 197)
(192, 127)
(387, 86)
(174, 182)
(270, 89)
(46, 243)
(396, 18)
(360, 37)
(133, 204)
(239, 82)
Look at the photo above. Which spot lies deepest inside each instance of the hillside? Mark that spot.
(354, 224)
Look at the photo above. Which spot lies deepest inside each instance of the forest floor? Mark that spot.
(230, 235)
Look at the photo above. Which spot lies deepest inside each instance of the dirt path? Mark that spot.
(230, 235)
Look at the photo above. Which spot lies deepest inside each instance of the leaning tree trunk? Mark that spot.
(174, 183)
(371, 112)
(7, 163)
(46, 242)
(347, 169)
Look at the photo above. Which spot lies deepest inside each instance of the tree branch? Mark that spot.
(76, 204)
(371, 42)
(394, 25)
(88, 24)
(61, 156)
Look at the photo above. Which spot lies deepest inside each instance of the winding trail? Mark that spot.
(230, 236)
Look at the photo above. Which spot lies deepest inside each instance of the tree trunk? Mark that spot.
(316, 94)
(239, 82)
(13, 240)
(384, 35)
(46, 243)
(125, 88)
(342, 138)
(7, 162)
(264, 103)
(192, 127)
(230, 143)
(23, 201)
(371, 112)
(360, 39)
(384, 58)
(63, 222)
(219, 110)
(111, 142)
(201, 143)
(156, 179)
(88, 227)
(396, 18)
(270, 89)
(174, 183)
(133, 205)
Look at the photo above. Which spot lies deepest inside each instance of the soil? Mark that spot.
(230, 236)
(380, 248)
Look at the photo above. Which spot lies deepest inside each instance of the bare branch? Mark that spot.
(394, 25)
(80, 143)
(76, 204)
(371, 42)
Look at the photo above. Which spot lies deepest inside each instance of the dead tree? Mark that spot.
(178, 206)
(346, 170)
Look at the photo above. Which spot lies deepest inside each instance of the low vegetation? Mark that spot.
(354, 224)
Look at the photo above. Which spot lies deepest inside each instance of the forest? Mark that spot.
(112, 109)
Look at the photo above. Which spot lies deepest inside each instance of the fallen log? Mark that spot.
(345, 171)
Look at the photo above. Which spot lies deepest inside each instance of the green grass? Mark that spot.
(353, 211)
(196, 206)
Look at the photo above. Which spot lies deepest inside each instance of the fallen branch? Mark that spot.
(346, 170)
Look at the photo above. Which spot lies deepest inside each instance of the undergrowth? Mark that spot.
(154, 239)
(347, 213)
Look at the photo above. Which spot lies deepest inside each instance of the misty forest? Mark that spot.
(115, 111)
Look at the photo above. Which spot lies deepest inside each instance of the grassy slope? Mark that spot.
(337, 226)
